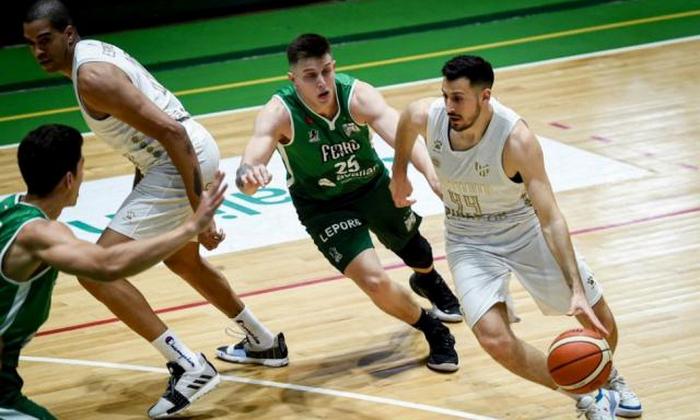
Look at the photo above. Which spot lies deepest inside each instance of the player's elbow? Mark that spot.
(173, 133)
(107, 267)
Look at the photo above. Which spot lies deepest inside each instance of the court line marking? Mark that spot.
(404, 59)
(270, 384)
(327, 279)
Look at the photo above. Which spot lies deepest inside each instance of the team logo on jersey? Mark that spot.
(482, 170)
(436, 162)
(325, 182)
(313, 136)
(437, 145)
(350, 128)
(337, 256)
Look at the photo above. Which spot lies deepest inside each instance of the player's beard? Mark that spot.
(467, 124)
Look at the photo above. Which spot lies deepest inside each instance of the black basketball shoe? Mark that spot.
(445, 303)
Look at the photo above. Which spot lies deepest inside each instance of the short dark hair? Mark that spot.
(52, 10)
(307, 46)
(46, 154)
(477, 70)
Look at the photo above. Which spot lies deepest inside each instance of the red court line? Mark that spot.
(328, 279)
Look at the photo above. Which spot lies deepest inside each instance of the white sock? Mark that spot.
(613, 374)
(257, 334)
(174, 350)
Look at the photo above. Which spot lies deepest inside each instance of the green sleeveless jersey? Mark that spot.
(24, 306)
(327, 159)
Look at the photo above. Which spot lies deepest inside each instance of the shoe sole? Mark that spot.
(197, 396)
(627, 412)
(443, 367)
(445, 317)
(248, 361)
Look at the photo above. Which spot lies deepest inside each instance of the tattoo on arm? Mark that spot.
(242, 170)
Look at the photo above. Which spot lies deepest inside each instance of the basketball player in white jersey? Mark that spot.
(501, 216)
(175, 157)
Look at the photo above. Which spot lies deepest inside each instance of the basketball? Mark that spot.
(579, 360)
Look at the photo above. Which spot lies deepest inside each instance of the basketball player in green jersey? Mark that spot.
(339, 186)
(34, 247)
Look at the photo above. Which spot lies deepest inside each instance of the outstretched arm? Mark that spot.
(53, 243)
(522, 153)
(412, 123)
(368, 106)
(272, 125)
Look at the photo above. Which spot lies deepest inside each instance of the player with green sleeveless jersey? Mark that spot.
(34, 247)
(320, 125)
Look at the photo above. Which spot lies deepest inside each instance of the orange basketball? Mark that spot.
(579, 360)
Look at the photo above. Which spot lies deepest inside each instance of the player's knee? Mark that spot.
(417, 252)
(183, 267)
(499, 346)
(375, 283)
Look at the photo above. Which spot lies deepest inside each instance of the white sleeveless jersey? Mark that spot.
(479, 198)
(141, 150)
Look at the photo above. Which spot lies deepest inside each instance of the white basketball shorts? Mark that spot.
(481, 267)
(159, 202)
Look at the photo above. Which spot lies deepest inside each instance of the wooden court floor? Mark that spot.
(349, 360)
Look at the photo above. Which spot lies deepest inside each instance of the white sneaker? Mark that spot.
(600, 407)
(630, 406)
(245, 352)
(184, 388)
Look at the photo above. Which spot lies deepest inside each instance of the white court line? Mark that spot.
(271, 384)
(601, 53)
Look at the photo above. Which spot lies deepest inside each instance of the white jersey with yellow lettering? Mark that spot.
(143, 151)
(491, 229)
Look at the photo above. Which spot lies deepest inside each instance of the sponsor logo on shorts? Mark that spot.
(591, 281)
(410, 221)
(335, 228)
(337, 256)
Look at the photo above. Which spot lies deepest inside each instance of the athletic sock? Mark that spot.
(426, 323)
(174, 350)
(258, 335)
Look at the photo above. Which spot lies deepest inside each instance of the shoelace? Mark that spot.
(172, 381)
(591, 409)
(236, 334)
(442, 296)
(443, 341)
(620, 385)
